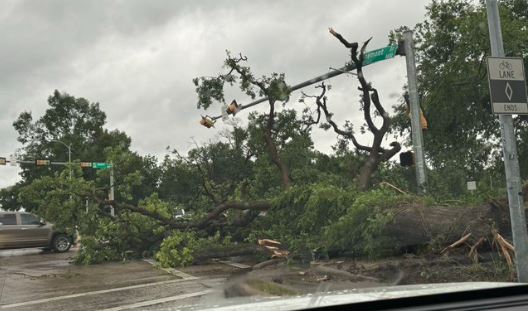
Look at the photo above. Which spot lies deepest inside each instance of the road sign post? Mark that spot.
(511, 161)
(507, 84)
(416, 127)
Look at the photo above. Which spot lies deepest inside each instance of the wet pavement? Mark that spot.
(32, 279)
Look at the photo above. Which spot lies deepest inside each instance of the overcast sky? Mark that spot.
(137, 59)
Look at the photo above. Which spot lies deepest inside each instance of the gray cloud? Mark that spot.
(137, 58)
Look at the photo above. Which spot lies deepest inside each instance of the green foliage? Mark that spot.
(57, 198)
(91, 252)
(300, 214)
(452, 44)
(177, 249)
(211, 89)
(359, 230)
(72, 121)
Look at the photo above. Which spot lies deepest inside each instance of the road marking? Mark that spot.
(235, 264)
(172, 271)
(96, 292)
(157, 301)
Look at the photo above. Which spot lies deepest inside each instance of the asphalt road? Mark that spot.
(31, 279)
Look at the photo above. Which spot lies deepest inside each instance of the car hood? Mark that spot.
(324, 299)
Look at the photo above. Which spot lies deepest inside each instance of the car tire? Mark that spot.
(61, 243)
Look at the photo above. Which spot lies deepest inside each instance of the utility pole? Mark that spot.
(511, 161)
(416, 127)
(111, 194)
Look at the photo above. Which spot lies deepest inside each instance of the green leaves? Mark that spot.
(177, 249)
(359, 229)
(452, 44)
(209, 90)
(57, 198)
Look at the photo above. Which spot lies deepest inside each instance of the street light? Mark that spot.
(69, 154)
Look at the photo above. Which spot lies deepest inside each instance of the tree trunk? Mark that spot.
(366, 171)
(285, 172)
(272, 149)
(417, 225)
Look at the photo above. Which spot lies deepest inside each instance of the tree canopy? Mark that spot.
(264, 178)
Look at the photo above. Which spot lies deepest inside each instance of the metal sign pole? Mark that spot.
(511, 162)
(416, 127)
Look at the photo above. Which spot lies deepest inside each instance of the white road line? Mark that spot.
(235, 264)
(172, 271)
(97, 292)
(157, 301)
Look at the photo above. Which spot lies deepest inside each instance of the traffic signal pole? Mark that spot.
(414, 101)
(511, 161)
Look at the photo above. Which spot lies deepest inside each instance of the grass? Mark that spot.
(271, 288)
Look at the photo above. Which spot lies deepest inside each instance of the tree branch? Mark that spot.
(387, 154)
(236, 205)
(353, 45)
(210, 218)
(386, 120)
(272, 149)
(321, 103)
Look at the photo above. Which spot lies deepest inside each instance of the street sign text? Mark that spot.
(507, 85)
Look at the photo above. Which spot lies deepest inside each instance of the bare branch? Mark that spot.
(321, 103)
(386, 120)
(387, 154)
(353, 45)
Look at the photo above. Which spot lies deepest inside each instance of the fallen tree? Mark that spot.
(417, 224)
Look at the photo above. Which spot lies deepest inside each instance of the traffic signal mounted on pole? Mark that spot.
(407, 158)
(86, 164)
(233, 108)
(42, 162)
(207, 122)
(3, 161)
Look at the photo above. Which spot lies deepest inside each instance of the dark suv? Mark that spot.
(21, 230)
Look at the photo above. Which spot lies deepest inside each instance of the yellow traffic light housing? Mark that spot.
(42, 162)
(207, 122)
(3, 161)
(423, 121)
(233, 108)
(86, 164)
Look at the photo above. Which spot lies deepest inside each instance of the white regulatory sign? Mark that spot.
(507, 85)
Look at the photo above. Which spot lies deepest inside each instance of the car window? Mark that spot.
(28, 219)
(8, 219)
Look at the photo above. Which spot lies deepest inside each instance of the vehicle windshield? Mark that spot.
(199, 154)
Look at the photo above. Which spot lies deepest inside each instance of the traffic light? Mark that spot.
(42, 162)
(423, 121)
(86, 164)
(233, 107)
(407, 158)
(207, 122)
(3, 161)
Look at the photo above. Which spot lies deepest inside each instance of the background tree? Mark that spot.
(274, 88)
(68, 119)
(375, 153)
(463, 139)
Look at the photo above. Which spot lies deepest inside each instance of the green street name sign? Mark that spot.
(101, 165)
(380, 54)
